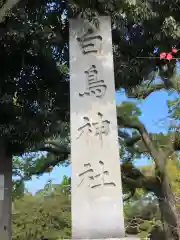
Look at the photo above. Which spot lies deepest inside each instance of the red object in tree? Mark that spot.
(163, 55)
(169, 56)
(174, 50)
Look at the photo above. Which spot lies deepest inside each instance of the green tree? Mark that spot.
(47, 214)
(140, 32)
(65, 186)
(38, 85)
(34, 90)
(142, 215)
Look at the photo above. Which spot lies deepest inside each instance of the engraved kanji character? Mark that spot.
(101, 127)
(94, 86)
(89, 170)
(100, 178)
(95, 128)
(96, 179)
(86, 128)
(90, 43)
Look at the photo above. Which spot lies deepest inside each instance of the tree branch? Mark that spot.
(7, 6)
(143, 92)
(51, 163)
(58, 153)
(149, 184)
(156, 153)
(129, 141)
(53, 147)
(171, 80)
(133, 178)
(123, 135)
(133, 140)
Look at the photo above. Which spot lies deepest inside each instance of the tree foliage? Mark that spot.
(34, 89)
(34, 60)
(45, 214)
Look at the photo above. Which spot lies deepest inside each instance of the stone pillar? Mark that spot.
(5, 196)
(97, 206)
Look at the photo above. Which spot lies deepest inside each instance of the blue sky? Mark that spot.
(154, 110)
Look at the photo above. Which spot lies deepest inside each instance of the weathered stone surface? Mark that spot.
(97, 207)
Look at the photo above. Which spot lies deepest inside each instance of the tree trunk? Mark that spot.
(5, 195)
(168, 210)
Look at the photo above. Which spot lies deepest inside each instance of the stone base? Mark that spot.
(126, 238)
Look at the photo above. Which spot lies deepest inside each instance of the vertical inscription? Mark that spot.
(97, 211)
